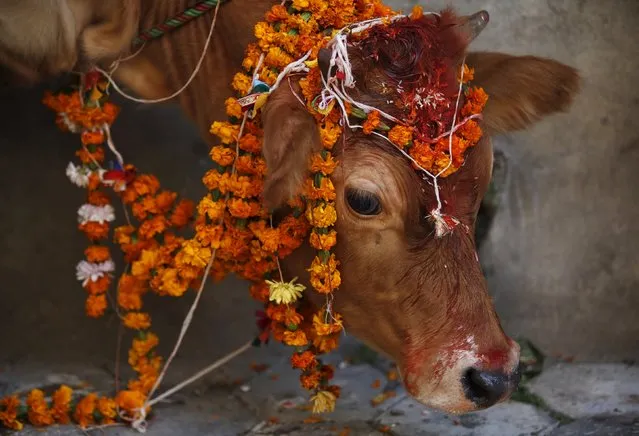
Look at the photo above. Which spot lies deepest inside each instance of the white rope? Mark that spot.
(188, 82)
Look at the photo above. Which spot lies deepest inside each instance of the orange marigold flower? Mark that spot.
(142, 347)
(61, 407)
(209, 236)
(277, 13)
(99, 286)
(97, 253)
(149, 259)
(323, 241)
(214, 180)
(372, 122)
(329, 134)
(213, 209)
(89, 157)
(243, 209)
(9, 416)
(233, 108)
(222, 155)
(469, 74)
(259, 292)
(476, 99)
(304, 360)
(423, 155)
(98, 198)
(400, 135)
(39, 414)
(226, 131)
(96, 305)
(83, 414)
(471, 131)
(183, 213)
(311, 84)
(95, 137)
(163, 202)
(145, 184)
(325, 192)
(151, 227)
(137, 320)
(250, 143)
(95, 230)
(325, 344)
(130, 401)
(296, 338)
(310, 381)
(323, 328)
(326, 167)
(122, 234)
(416, 13)
(324, 276)
(107, 408)
(192, 253)
(323, 215)
(245, 187)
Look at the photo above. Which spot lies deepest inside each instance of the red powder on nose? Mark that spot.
(495, 359)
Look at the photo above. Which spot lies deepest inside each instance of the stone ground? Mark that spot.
(572, 292)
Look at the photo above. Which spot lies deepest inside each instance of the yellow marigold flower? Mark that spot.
(323, 401)
(194, 254)
(149, 259)
(222, 155)
(39, 414)
(323, 215)
(171, 283)
(285, 293)
(301, 4)
(107, 408)
(83, 414)
(137, 320)
(61, 404)
(241, 83)
(9, 416)
(277, 58)
(233, 108)
(295, 339)
(226, 131)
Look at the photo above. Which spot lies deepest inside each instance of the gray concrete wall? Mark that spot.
(561, 257)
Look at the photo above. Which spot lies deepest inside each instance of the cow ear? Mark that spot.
(522, 89)
(291, 136)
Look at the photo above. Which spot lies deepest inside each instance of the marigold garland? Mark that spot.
(232, 231)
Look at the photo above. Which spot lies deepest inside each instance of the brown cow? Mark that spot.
(419, 299)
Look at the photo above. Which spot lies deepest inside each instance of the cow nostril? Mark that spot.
(485, 388)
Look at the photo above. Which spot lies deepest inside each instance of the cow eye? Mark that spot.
(363, 202)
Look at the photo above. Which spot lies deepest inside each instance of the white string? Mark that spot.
(188, 82)
(140, 422)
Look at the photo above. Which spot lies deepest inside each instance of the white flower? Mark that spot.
(79, 175)
(89, 271)
(100, 214)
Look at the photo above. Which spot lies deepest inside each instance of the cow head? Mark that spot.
(417, 297)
